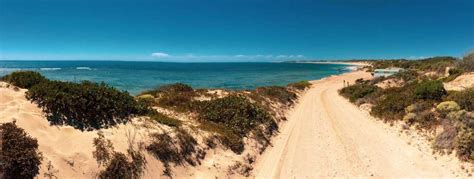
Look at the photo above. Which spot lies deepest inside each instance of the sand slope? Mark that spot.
(326, 136)
(69, 150)
(461, 82)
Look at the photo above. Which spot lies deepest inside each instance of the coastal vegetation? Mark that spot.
(282, 94)
(183, 148)
(238, 116)
(24, 79)
(85, 105)
(359, 90)
(230, 118)
(422, 101)
(301, 85)
(116, 164)
(19, 155)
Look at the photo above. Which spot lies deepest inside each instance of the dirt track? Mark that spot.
(326, 136)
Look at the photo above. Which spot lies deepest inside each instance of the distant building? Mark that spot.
(386, 72)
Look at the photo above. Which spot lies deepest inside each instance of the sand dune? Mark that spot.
(326, 136)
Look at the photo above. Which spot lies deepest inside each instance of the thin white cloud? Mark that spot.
(415, 57)
(190, 57)
(160, 55)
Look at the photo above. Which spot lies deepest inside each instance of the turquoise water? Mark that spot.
(135, 77)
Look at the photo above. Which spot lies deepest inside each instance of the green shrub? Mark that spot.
(456, 115)
(453, 74)
(24, 79)
(168, 151)
(445, 140)
(237, 113)
(187, 145)
(437, 64)
(86, 105)
(163, 119)
(390, 106)
(146, 99)
(120, 166)
(103, 149)
(277, 93)
(117, 165)
(358, 91)
(430, 90)
(426, 119)
(464, 98)
(226, 136)
(410, 117)
(418, 107)
(176, 96)
(447, 107)
(163, 148)
(19, 155)
(464, 142)
(468, 62)
(407, 75)
(301, 85)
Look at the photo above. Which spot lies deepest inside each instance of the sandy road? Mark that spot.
(326, 136)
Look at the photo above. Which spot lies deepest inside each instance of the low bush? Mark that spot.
(226, 137)
(468, 62)
(407, 75)
(187, 145)
(464, 98)
(236, 113)
(19, 155)
(437, 64)
(426, 120)
(24, 79)
(163, 148)
(430, 90)
(445, 140)
(391, 106)
(86, 105)
(103, 149)
(277, 93)
(117, 165)
(301, 85)
(169, 151)
(453, 74)
(176, 96)
(357, 91)
(447, 107)
(418, 106)
(464, 142)
(163, 119)
(120, 166)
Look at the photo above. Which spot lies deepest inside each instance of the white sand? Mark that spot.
(461, 82)
(326, 136)
(70, 150)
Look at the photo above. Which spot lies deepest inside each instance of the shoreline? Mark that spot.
(340, 63)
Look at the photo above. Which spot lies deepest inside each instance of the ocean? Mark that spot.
(136, 77)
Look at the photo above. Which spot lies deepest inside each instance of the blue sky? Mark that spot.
(233, 30)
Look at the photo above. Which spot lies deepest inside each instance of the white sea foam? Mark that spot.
(49, 69)
(351, 68)
(83, 68)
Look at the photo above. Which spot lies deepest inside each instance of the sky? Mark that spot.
(234, 30)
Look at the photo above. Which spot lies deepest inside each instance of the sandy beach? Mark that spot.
(340, 63)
